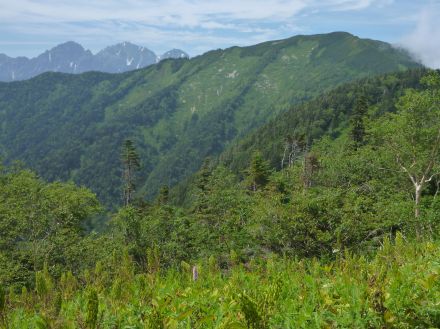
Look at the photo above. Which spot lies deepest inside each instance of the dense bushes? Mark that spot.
(42, 223)
(397, 288)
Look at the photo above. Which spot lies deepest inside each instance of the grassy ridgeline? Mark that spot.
(398, 287)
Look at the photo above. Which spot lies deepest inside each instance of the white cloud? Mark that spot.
(424, 41)
(201, 24)
(190, 13)
(350, 5)
(178, 12)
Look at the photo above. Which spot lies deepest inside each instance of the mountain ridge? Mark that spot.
(72, 57)
(176, 112)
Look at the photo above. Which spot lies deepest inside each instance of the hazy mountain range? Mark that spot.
(177, 112)
(71, 57)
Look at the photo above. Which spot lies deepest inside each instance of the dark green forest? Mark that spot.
(71, 127)
(325, 217)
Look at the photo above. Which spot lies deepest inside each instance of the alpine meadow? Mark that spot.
(293, 183)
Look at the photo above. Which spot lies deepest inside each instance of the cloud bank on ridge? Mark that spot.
(424, 41)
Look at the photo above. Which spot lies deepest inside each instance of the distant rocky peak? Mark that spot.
(124, 48)
(68, 50)
(69, 45)
(71, 57)
(174, 53)
(3, 57)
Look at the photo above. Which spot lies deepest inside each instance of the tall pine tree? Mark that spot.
(258, 172)
(357, 131)
(131, 163)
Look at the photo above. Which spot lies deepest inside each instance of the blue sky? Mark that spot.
(28, 27)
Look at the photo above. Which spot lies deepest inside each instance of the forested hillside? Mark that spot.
(328, 114)
(345, 233)
(177, 112)
(291, 133)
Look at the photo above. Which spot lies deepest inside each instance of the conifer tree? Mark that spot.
(204, 174)
(311, 167)
(202, 186)
(164, 194)
(131, 162)
(357, 131)
(258, 172)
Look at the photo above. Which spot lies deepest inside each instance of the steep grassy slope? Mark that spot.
(177, 112)
(326, 115)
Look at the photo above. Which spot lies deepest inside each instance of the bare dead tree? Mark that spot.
(294, 147)
(420, 178)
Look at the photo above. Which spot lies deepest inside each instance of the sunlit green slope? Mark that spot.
(177, 112)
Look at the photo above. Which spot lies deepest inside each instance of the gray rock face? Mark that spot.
(124, 57)
(174, 53)
(71, 57)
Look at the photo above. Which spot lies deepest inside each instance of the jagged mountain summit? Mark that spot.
(71, 57)
(174, 53)
(123, 57)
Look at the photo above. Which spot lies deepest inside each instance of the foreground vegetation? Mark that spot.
(345, 234)
(399, 287)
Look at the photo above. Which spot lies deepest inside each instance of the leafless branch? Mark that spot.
(432, 177)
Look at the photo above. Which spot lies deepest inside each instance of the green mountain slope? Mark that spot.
(177, 112)
(327, 115)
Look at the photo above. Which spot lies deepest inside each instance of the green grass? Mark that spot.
(398, 287)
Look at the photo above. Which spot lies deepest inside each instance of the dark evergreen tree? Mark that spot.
(204, 174)
(131, 163)
(164, 194)
(258, 172)
(202, 186)
(357, 131)
(311, 167)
